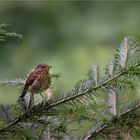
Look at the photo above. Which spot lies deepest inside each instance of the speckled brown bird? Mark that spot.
(38, 81)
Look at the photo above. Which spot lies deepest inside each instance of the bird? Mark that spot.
(38, 80)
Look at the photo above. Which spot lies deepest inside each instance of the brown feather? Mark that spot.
(28, 83)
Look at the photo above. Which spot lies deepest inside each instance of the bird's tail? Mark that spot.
(23, 93)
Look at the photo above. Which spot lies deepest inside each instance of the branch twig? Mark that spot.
(95, 131)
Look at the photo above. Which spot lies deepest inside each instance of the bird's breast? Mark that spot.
(41, 84)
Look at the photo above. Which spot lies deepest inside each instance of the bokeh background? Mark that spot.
(69, 35)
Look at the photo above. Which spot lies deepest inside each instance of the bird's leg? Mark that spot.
(31, 101)
(43, 97)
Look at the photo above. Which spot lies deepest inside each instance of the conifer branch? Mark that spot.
(5, 34)
(93, 132)
(13, 82)
(46, 106)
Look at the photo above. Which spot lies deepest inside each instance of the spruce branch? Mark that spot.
(5, 113)
(47, 106)
(4, 34)
(13, 82)
(128, 48)
(94, 74)
(101, 128)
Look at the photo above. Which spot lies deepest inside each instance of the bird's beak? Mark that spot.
(50, 67)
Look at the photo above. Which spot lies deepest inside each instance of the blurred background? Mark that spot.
(69, 35)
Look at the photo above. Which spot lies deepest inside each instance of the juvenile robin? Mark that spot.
(38, 81)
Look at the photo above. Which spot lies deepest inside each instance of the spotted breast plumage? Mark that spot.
(38, 81)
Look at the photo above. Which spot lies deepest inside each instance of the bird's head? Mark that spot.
(42, 68)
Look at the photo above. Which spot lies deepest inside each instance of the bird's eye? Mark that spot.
(42, 67)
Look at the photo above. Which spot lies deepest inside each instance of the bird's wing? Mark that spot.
(29, 82)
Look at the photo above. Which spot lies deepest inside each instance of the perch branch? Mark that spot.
(46, 106)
